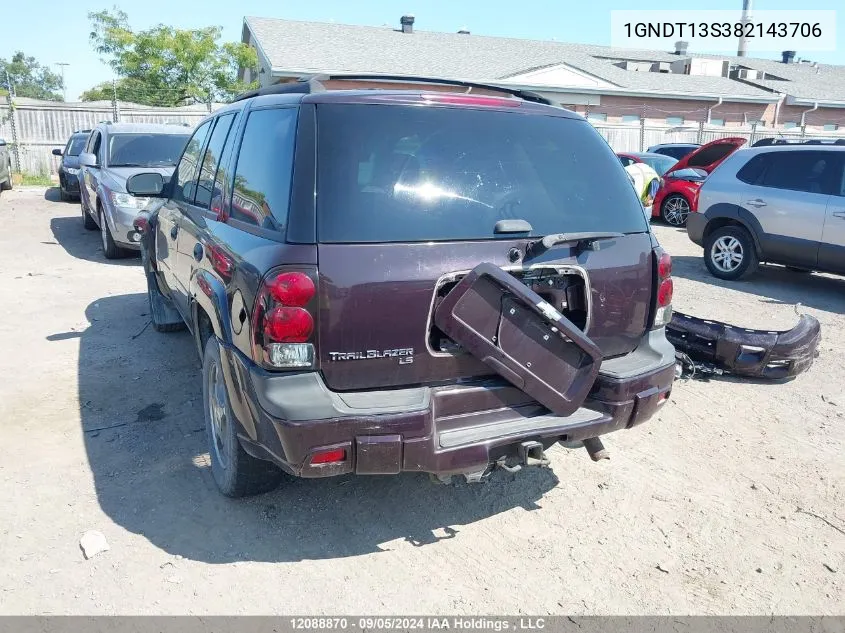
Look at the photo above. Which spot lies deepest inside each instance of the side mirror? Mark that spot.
(57, 152)
(146, 184)
(86, 159)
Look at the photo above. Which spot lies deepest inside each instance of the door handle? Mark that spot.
(174, 231)
(198, 252)
(839, 214)
(756, 203)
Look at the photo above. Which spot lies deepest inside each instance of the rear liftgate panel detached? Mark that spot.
(519, 335)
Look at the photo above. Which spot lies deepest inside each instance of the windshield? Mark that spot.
(690, 174)
(75, 145)
(146, 150)
(659, 163)
(409, 174)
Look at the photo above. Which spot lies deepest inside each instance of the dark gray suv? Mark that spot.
(382, 281)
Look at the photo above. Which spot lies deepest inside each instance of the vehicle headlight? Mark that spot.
(128, 200)
(72, 170)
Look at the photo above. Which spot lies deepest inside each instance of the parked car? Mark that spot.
(660, 163)
(113, 153)
(5, 167)
(386, 281)
(69, 165)
(781, 204)
(675, 150)
(680, 184)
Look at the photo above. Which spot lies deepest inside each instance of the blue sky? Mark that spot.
(55, 31)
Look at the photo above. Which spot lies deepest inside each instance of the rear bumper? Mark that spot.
(695, 227)
(458, 428)
(744, 352)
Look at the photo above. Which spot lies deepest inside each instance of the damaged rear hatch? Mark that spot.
(413, 194)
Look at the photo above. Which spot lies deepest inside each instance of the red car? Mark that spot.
(681, 183)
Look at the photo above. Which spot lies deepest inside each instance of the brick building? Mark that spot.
(613, 85)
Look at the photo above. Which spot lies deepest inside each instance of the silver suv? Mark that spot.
(781, 204)
(114, 152)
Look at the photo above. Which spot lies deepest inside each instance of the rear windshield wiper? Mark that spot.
(583, 240)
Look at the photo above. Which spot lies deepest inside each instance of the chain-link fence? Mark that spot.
(637, 137)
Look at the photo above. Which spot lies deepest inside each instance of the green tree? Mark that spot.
(165, 65)
(31, 79)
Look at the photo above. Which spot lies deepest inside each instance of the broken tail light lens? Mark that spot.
(283, 321)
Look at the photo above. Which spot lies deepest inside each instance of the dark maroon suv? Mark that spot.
(382, 281)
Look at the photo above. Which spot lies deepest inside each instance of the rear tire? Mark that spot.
(729, 253)
(110, 249)
(674, 210)
(236, 472)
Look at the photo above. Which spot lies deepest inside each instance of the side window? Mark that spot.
(94, 146)
(810, 172)
(265, 161)
(208, 171)
(186, 171)
(626, 162)
(753, 169)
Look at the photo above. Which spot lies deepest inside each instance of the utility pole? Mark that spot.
(10, 97)
(64, 85)
(115, 108)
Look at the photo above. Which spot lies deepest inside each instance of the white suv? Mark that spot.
(781, 204)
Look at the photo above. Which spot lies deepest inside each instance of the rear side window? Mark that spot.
(186, 171)
(810, 172)
(263, 174)
(409, 174)
(753, 169)
(208, 171)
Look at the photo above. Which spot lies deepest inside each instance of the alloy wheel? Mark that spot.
(727, 253)
(675, 210)
(218, 406)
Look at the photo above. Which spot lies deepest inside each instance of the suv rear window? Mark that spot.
(408, 174)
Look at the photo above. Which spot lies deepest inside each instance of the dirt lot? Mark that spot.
(731, 501)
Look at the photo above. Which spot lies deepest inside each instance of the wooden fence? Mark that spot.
(33, 128)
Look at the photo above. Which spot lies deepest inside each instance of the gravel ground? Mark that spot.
(729, 502)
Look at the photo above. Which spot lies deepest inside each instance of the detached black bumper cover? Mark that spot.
(753, 353)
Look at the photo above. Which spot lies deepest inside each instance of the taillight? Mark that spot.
(693, 205)
(473, 100)
(664, 293)
(329, 457)
(664, 266)
(283, 320)
(665, 288)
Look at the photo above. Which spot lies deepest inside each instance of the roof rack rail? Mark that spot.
(764, 142)
(302, 86)
(315, 83)
(86, 131)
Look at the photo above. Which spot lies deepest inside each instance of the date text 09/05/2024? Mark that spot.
(694, 30)
(421, 623)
